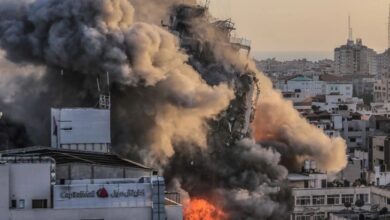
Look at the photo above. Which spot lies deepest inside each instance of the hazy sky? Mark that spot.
(306, 25)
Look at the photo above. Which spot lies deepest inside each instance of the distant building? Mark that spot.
(357, 214)
(383, 63)
(339, 88)
(357, 167)
(382, 90)
(331, 124)
(355, 58)
(380, 108)
(313, 199)
(304, 85)
(356, 132)
(337, 104)
(379, 151)
(380, 124)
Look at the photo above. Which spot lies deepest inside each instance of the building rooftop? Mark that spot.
(62, 156)
(380, 118)
(344, 79)
(299, 177)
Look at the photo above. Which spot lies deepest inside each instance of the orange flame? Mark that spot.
(200, 209)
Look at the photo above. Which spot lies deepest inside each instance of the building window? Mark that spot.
(348, 198)
(381, 148)
(363, 197)
(319, 216)
(13, 204)
(318, 200)
(21, 204)
(302, 217)
(333, 199)
(39, 203)
(303, 200)
(388, 201)
(323, 183)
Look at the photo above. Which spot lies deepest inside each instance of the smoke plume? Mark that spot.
(183, 96)
(277, 120)
(90, 37)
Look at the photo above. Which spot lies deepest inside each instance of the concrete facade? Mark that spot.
(355, 58)
(32, 180)
(84, 129)
(318, 203)
(343, 89)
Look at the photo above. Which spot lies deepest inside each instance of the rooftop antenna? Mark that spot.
(207, 4)
(98, 84)
(62, 88)
(104, 97)
(350, 33)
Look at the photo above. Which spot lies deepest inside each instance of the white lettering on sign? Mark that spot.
(93, 194)
(128, 193)
(102, 195)
(81, 194)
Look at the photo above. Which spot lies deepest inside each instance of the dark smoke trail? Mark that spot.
(90, 37)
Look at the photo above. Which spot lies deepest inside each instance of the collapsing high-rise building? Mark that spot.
(192, 24)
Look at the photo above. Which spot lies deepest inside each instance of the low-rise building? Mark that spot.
(344, 89)
(378, 147)
(355, 132)
(78, 177)
(358, 214)
(318, 203)
(305, 85)
(314, 198)
(47, 183)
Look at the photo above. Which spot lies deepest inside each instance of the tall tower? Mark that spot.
(350, 33)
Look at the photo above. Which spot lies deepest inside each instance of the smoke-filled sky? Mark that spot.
(306, 25)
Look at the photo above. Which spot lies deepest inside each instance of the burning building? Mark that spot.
(186, 98)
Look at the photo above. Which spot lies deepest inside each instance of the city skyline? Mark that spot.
(313, 27)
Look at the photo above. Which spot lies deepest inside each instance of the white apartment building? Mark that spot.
(307, 86)
(381, 196)
(343, 89)
(378, 108)
(51, 184)
(336, 103)
(315, 204)
(314, 199)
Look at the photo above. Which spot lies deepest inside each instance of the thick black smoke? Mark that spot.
(12, 134)
(163, 98)
(240, 179)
